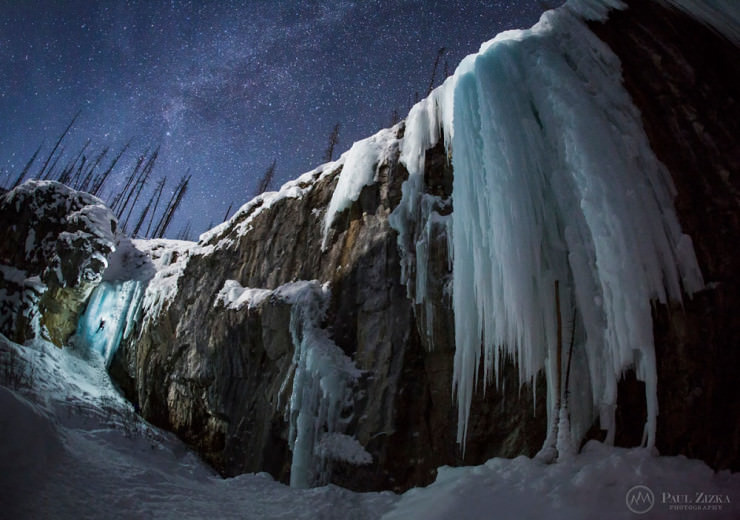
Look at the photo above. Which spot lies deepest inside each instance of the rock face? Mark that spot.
(53, 254)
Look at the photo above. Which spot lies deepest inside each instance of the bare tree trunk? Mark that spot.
(333, 141)
(158, 192)
(440, 52)
(228, 210)
(49, 172)
(144, 177)
(118, 204)
(100, 180)
(59, 141)
(266, 179)
(172, 206)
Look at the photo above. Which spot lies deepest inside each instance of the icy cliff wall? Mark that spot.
(321, 333)
(228, 362)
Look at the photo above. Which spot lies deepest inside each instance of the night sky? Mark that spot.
(225, 87)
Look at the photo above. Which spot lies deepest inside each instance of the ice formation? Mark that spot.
(114, 306)
(322, 379)
(109, 317)
(417, 210)
(554, 180)
(321, 399)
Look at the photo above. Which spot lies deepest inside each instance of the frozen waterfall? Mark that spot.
(109, 317)
(554, 180)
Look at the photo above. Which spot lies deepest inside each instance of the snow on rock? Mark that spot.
(227, 232)
(169, 259)
(62, 240)
(234, 297)
(359, 168)
(54, 222)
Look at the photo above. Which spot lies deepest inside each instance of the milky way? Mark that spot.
(225, 87)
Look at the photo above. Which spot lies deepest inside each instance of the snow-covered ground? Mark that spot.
(71, 447)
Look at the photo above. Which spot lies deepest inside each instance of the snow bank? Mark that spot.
(596, 484)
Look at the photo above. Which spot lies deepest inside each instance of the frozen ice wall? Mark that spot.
(109, 317)
(115, 304)
(322, 381)
(554, 180)
(321, 402)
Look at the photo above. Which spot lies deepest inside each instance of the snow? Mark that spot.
(359, 167)
(342, 447)
(169, 259)
(234, 297)
(76, 449)
(224, 234)
(593, 485)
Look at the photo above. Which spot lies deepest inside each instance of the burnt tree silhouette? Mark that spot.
(333, 142)
(440, 53)
(266, 179)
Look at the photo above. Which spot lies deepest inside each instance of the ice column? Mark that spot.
(321, 400)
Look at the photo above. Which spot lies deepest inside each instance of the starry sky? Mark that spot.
(225, 87)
